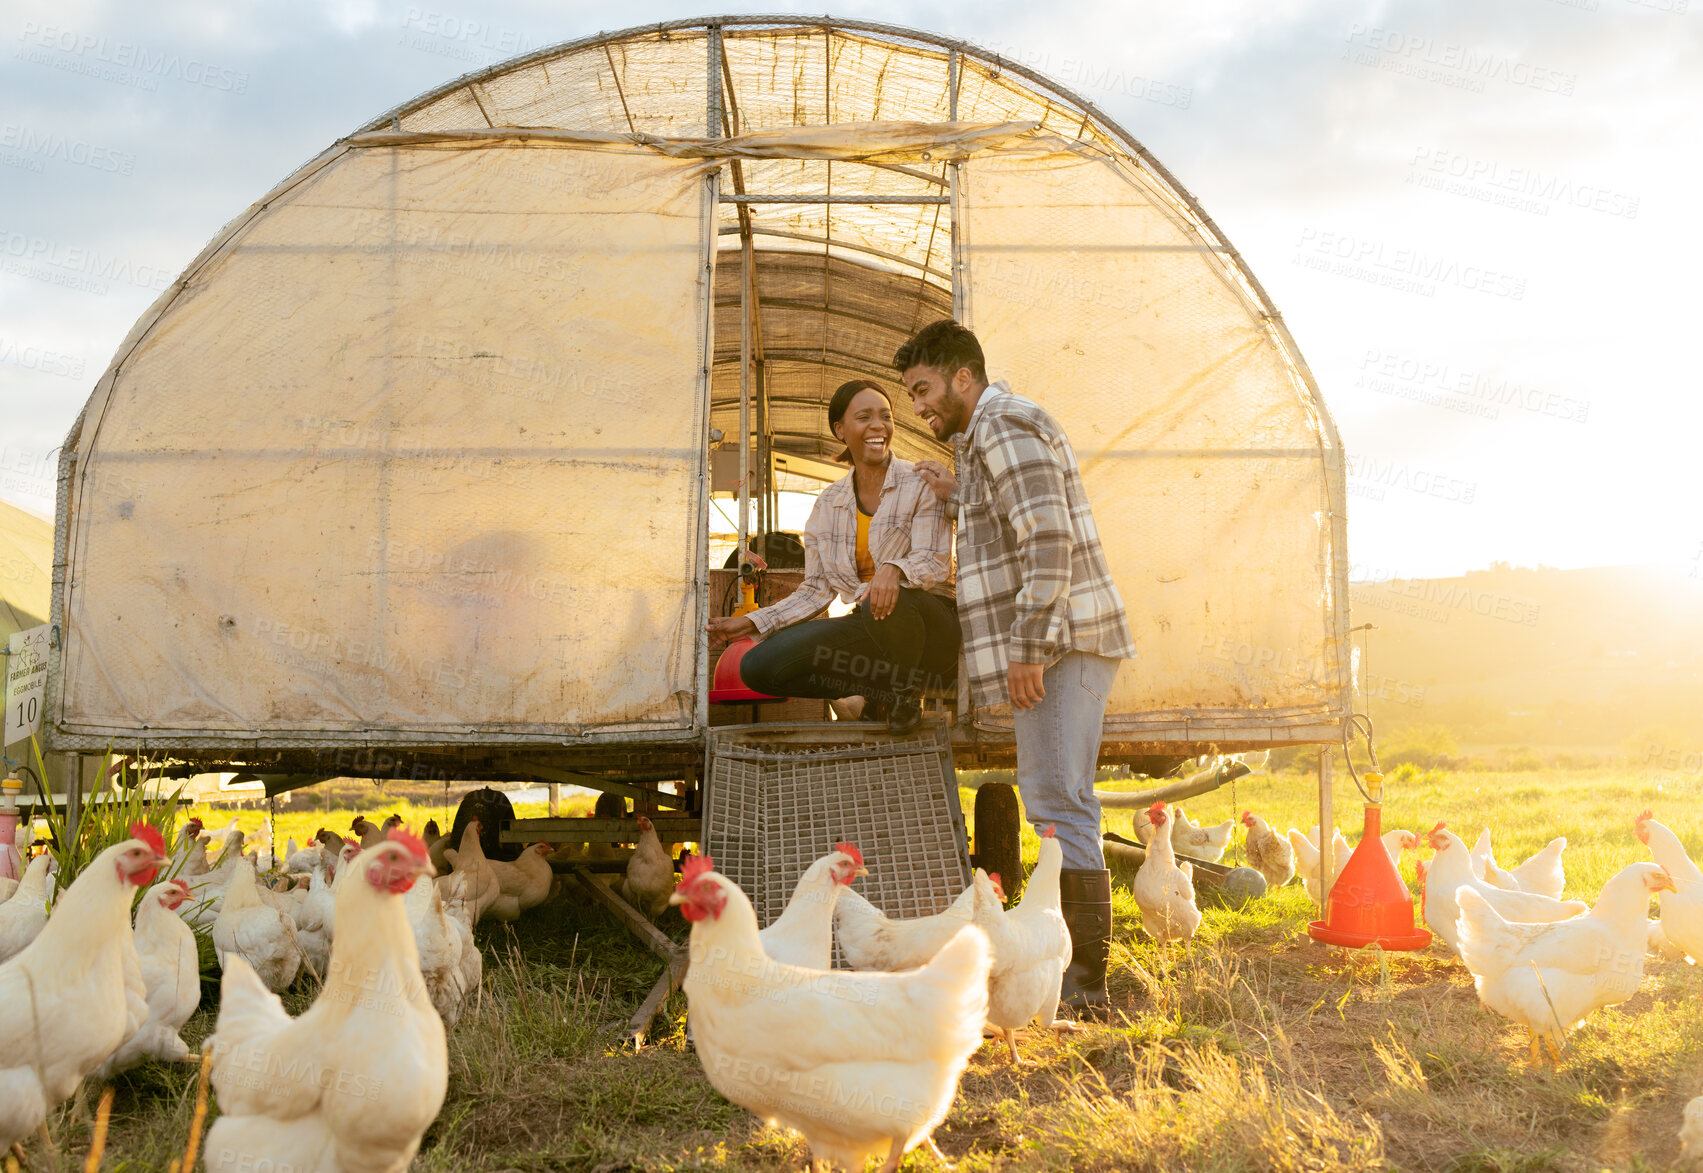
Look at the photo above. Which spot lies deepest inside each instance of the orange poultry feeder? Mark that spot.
(1369, 904)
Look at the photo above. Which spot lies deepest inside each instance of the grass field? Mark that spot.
(1254, 1048)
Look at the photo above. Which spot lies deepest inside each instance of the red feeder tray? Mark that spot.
(1369, 904)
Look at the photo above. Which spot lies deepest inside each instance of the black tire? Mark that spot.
(999, 835)
(492, 808)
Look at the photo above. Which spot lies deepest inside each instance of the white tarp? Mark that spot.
(418, 450)
(1199, 445)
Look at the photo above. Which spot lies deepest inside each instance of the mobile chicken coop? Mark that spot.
(410, 470)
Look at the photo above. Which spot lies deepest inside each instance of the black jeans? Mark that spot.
(914, 648)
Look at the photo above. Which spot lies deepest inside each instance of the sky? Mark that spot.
(1476, 216)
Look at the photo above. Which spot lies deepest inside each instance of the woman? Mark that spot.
(878, 537)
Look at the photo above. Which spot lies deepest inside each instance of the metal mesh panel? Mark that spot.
(779, 799)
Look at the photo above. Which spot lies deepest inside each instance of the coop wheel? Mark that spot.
(999, 841)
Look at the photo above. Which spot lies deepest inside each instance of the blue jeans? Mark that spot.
(1058, 748)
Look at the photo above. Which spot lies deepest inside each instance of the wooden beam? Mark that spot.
(670, 981)
(596, 782)
(653, 938)
(669, 830)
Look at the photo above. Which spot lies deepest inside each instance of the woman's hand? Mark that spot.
(883, 591)
(731, 627)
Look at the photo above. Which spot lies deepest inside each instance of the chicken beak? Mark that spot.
(675, 897)
(1664, 883)
(861, 872)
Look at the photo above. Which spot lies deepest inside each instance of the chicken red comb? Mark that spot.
(994, 876)
(1441, 826)
(645, 824)
(416, 846)
(1645, 815)
(697, 866)
(149, 834)
(1156, 807)
(1050, 833)
(851, 850)
(195, 821)
(359, 819)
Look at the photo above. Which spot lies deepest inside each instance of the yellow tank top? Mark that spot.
(865, 562)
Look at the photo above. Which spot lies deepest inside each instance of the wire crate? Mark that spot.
(779, 797)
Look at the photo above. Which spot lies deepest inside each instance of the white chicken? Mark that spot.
(1658, 945)
(189, 857)
(480, 889)
(862, 1064)
(870, 939)
(305, 859)
(650, 873)
(24, 914)
(1031, 949)
(316, 917)
(250, 925)
(803, 934)
(1450, 871)
(72, 997)
(1548, 977)
(1198, 842)
(439, 944)
(1268, 853)
(1682, 909)
(524, 884)
(1691, 1132)
(1542, 873)
(461, 924)
(171, 975)
(1163, 888)
(354, 1082)
(1306, 849)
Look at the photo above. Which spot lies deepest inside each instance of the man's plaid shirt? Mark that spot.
(910, 529)
(1032, 578)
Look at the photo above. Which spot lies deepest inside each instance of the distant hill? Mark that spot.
(1609, 656)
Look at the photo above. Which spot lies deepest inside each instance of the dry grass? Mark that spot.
(1254, 1049)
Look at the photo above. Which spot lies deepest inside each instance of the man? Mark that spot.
(1043, 624)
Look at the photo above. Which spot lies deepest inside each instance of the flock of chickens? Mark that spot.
(83, 991)
(1536, 959)
(863, 1062)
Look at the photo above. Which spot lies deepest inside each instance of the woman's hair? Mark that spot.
(842, 400)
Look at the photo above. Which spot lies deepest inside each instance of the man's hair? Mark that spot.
(944, 346)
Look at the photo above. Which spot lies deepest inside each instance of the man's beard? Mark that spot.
(953, 418)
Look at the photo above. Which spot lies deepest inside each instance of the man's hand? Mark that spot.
(937, 477)
(1023, 682)
(883, 591)
(731, 626)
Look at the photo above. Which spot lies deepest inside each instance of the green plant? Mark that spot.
(104, 823)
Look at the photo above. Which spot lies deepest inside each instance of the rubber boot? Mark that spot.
(1085, 898)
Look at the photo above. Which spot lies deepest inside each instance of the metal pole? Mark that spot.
(745, 396)
(960, 295)
(1327, 827)
(73, 795)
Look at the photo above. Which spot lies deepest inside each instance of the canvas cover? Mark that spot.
(417, 450)
(420, 448)
(26, 570)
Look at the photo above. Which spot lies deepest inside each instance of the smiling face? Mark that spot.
(867, 428)
(939, 400)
